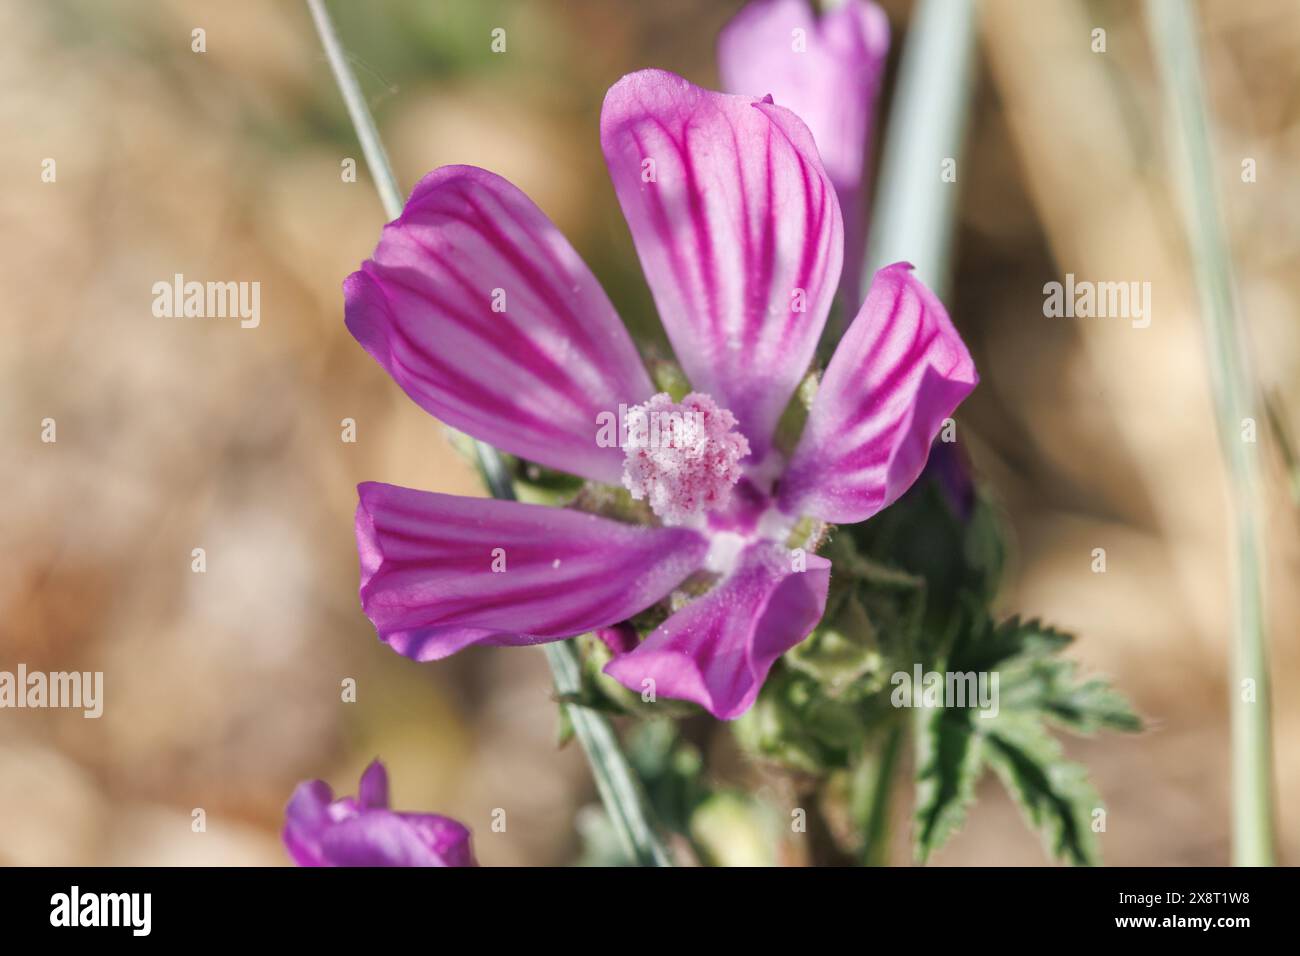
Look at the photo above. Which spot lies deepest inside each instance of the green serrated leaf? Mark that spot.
(1033, 677)
(1090, 706)
(1035, 686)
(983, 647)
(1053, 793)
(949, 760)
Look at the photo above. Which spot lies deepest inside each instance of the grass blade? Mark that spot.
(1174, 37)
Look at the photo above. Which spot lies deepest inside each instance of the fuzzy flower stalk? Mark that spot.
(484, 314)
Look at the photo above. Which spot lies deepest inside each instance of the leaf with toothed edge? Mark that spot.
(949, 760)
(1053, 793)
(1037, 688)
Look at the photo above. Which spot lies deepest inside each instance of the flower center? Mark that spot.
(683, 458)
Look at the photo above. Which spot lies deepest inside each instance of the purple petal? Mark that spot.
(532, 379)
(378, 838)
(372, 794)
(717, 650)
(305, 820)
(739, 235)
(429, 585)
(362, 831)
(898, 373)
(447, 837)
(832, 85)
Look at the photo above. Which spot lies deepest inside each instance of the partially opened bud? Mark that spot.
(363, 831)
(827, 69)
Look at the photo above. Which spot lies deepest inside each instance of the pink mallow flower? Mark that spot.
(363, 831)
(828, 69)
(484, 314)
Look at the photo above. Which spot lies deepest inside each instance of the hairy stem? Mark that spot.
(912, 219)
(359, 112)
(618, 786)
(879, 770)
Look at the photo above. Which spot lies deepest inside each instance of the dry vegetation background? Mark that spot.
(222, 689)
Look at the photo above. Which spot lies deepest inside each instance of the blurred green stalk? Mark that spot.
(1174, 36)
(912, 220)
(619, 789)
(876, 784)
(371, 145)
(914, 207)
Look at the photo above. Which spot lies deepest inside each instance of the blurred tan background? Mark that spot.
(222, 690)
